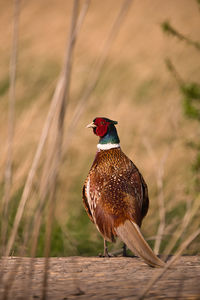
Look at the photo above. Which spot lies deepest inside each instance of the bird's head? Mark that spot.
(101, 126)
(105, 129)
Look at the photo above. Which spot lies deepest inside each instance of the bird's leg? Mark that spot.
(105, 252)
(124, 250)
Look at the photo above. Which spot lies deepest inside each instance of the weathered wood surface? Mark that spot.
(100, 278)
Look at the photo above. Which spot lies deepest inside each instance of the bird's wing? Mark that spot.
(145, 201)
(85, 200)
(139, 192)
(92, 200)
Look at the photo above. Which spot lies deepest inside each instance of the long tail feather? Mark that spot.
(130, 234)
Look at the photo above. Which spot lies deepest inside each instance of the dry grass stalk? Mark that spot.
(56, 150)
(43, 138)
(31, 174)
(98, 66)
(161, 202)
(11, 123)
(49, 223)
(189, 215)
(174, 72)
(178, 253)
(44, 182)
(159, 174)
(50, 169)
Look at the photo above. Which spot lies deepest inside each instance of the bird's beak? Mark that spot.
(91, 125)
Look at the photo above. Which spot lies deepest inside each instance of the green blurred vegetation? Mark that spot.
(190, 97)
(134, 88)
(190, 93)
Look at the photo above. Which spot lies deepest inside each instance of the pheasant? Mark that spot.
(115, 194)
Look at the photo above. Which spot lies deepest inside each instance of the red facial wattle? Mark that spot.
(101, 130)
(102, 127)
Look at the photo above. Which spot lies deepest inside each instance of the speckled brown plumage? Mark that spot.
(117, 192)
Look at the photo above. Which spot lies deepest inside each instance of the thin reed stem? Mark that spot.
(97, 69)
(161, 272)
(11, 124)
(159, 174)
(161, 202)
(56, 149)
(188, 217)
(29, 182)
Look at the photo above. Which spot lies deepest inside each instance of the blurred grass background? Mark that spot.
(135, 88)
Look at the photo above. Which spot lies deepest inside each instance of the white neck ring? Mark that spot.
(107, 146)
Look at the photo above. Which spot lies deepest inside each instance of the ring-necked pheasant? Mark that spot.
(115, 194)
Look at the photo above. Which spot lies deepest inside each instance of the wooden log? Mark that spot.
(99, 278)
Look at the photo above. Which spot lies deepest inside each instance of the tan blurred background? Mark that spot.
(135, 88)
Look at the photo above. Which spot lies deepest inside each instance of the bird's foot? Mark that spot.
(121, 252)
(106, 255)
(105, 252)
(124, 253)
